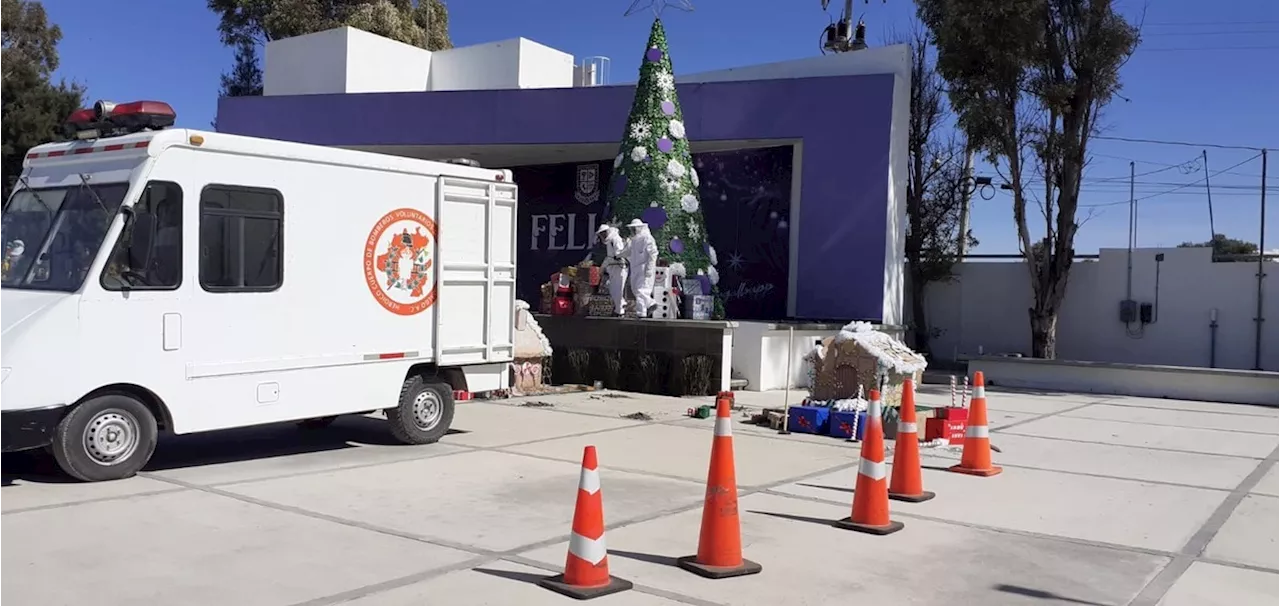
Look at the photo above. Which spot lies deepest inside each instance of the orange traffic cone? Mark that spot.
(975, 460)
(871, 494)
(586, 568)
(905, 484)
(720, 541)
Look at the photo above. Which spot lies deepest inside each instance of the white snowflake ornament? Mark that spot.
(676, 128)
(665, 81)
(714, 275)
(689, 203)
(640, 130)
(711, 252)
(695, 232)
(638, 154)
(693, 174)
(672, 185)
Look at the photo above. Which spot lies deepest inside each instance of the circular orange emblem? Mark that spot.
(399, 261)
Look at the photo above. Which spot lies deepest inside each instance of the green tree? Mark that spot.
(654, 178)
(423, 23)
(1028, 80)
(245, 78)
(934, 180)
(1224, 246)
(32, 107)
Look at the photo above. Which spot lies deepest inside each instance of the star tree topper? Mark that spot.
(657, 6)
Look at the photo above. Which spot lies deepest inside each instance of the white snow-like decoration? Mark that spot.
(701, 273)
(617, 161)
(693, 174)
(689, 203)
(640, 130)
(532, 323)
(675, 169)
(714, 275)
(695, 232)
(890, 353)
(672, 184)
(711, 252)
(665, 81)
(676, 128)
(677, 269)
(639, 153)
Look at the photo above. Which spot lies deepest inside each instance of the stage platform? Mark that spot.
(635, 354)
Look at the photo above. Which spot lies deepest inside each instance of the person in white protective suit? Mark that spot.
(642, 253)
(615, 266)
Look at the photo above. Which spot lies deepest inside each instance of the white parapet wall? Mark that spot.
(761, 351)
(348, 60)
(1175, 382)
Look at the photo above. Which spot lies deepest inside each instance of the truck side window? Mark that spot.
(148, 255)
(241, 233)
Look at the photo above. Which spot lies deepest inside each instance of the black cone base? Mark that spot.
(557, 584)
(913, 498)
(849, 524)
(691, 564)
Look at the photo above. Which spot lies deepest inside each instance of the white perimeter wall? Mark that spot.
(985, 307)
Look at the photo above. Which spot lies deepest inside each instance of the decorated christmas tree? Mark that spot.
(654, 178)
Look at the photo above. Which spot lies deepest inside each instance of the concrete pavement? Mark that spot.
(1104, 500)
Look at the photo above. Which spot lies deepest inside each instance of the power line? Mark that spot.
(1127, 159)
(1182, 143)
(1182, 186)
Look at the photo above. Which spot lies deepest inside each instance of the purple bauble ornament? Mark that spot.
(706, 283)
(655, 216)
(665, 145)
(668, 108)
(706, 248)
(676, 245)
(654, 55)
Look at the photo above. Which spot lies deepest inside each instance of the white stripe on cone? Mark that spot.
(592, 551)
(589, 481)
(724, 426)
(872, 469)
(905, 427)
(976, 431)
(979, 392)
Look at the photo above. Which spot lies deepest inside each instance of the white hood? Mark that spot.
(19, 306)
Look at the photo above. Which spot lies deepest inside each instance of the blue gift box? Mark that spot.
(842, 424)
(808, 419)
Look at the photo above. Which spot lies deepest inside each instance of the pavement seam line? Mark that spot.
(1204, 412)
(120, 497)
(396, 583)
(1152, 448)
(1149, 424)
(1092, 475)
(1191, 552)
(996, 529)
(485, 554)
(1041, 417)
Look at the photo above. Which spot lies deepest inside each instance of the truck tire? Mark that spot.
(109, 437)
(424, 413)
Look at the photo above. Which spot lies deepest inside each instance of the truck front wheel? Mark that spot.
(424, 413)
(106, 438)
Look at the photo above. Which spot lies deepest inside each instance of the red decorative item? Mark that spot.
(563, 305)
(952, 413)
(951, 431)
(594, 276)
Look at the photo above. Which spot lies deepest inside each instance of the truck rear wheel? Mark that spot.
(424, 413)
(109, 437)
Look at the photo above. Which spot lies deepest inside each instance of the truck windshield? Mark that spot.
(52, 235)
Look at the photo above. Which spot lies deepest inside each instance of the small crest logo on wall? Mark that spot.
(399, 264)
(588, 184)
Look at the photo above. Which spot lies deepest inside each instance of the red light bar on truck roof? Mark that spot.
(106, 119)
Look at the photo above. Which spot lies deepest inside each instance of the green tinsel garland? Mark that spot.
(654, 177)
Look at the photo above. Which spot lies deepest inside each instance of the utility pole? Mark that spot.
(967, 185)
(1262, 242)
(1208, 193)
(1133, 240)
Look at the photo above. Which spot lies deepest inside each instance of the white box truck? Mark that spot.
(159, 279)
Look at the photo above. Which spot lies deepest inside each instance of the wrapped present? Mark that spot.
(698, 307)
(944, 429)
(691, 287)
(600, 306)
(562, 282)
(808, 419)
(847, 424)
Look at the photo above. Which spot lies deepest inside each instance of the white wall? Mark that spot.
(985, 309)
(349, 60)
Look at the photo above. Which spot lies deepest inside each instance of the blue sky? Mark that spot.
(1200, 76)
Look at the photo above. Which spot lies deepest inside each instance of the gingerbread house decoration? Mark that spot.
(862, 356)
(533, 351)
